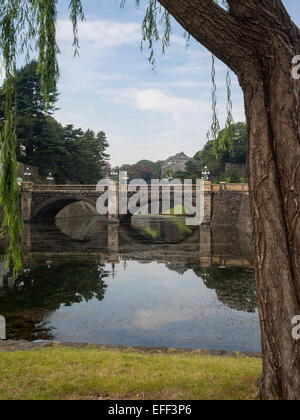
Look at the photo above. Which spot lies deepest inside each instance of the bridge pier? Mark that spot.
(113, 242)
(113, 219)
(205, 245)
(26, 239)
(113, 203)
(113, 237)
(26, 201)
(207, 203)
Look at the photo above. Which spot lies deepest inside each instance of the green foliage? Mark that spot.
(231, 143)
(31, 114)
(86, 156)
(234, 287)
(215, 126)
(234, 176)
(231, 146)
(156, 27)
(193, 170)
(63, 283)
(25, 25)
(168, 174)
(70, 154)
(144, 169)
(9, 189)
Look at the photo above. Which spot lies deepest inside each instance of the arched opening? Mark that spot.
(49, 209)
(78, 209)
(159, 228)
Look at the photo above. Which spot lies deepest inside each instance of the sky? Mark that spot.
(111, 87)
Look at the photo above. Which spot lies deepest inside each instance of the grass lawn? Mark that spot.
(66, 373)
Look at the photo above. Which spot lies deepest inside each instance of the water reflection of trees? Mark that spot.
(234, 286)
(44, 289)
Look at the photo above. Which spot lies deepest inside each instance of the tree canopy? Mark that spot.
(230, 147)
(70, 154)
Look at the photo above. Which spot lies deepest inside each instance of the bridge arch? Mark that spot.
(145, 209)
(49, 208)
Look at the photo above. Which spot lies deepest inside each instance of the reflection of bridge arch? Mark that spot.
(145, 209)
(126, 233)
(48, 209)
(97, 235)
(114, 241)
(145, 206)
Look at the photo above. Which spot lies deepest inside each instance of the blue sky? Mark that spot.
(111, 86)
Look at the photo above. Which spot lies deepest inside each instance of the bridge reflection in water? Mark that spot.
(152, 282)
(150, 238)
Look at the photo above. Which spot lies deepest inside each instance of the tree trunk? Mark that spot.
(273, 165)
(258, 40)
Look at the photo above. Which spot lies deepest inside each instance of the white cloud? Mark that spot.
(156, 100)
(177, 308)
(111, 87)
(158, 122)
(104, 33)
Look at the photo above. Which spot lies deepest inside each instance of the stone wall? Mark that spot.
(232, 209)
(226, 207)
(229, 243)
(244, 220)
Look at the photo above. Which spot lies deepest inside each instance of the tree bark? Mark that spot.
(258, 40)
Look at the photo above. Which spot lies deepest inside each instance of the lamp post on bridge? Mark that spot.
(205, 174)
(27, 174)
(125, 178)
(50, 178)
(113, 175)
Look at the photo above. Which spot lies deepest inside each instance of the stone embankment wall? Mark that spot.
(226, 207)
(244, 221)
(231, 208)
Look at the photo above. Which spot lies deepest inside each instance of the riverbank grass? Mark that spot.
(67, 373)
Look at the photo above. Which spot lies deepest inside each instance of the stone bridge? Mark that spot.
(44, 202)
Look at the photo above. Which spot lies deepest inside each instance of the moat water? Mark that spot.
(151, 282)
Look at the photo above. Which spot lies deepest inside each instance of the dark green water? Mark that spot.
(154, 282)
